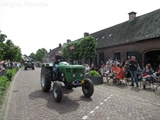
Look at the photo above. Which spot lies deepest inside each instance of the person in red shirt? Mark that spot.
(114, 71)
(120, 73)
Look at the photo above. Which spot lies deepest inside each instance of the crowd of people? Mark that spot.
(4, 65)
(128, 69)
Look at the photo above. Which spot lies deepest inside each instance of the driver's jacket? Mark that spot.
(58, 59)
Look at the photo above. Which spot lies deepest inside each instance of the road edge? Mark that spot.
(6, 103)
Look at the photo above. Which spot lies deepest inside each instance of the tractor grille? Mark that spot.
(68, 70)
(75, 70)
(80, 70)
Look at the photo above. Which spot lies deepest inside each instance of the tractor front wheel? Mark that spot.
(33, 68)
(57, 91)
(46, 79)
(87, 88)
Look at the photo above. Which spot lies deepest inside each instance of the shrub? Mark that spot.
(11, 73)
(3, 84)
(94, 73)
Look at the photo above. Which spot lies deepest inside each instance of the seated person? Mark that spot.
(101, 70)
(87, 68)
(120, 72)
(156, 74)
(158, 71)
(115, 69)
(147, 75)
(58, 59)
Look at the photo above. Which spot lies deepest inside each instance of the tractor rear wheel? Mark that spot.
(87, 88)
(57, 91)
(45, 79)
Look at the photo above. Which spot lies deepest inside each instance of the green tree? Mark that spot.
(87, 47)
(40, 54)
(11, 51)
(8, 50)
(33, 56)
(17, 55)
(67, 52)
(2, 39)
(84, 48)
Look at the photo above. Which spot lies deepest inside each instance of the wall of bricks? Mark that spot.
(141, 46)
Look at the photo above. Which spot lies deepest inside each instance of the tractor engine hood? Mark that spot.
(67, 65)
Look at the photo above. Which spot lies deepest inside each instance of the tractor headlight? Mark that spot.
(74, 75)
(63, 79)
(81, 75)
(62, 74)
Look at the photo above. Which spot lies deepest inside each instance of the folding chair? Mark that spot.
(156, 82)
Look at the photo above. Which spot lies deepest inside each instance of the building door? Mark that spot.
(152, 57)
(100, 57)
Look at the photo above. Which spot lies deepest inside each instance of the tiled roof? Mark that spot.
(141, 28)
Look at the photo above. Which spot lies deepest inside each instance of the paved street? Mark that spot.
(26, 101)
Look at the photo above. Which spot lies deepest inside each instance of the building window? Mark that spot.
(117, 56)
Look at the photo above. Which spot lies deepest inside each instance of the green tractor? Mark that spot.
(28, 64)
(69, 76)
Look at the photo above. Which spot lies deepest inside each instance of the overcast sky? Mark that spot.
(34, 24)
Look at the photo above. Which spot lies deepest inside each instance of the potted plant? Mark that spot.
(95, 77)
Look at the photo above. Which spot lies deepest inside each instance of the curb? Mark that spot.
(7, 97)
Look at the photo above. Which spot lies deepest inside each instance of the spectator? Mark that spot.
(4, 64)
(108, 67)
(114, 68)
(146, 76)
(120, 73)
(1, 66)
(92, 67)
(133, 64)
(150, 67)
(101, 70)
(87, 68)
(157, 73)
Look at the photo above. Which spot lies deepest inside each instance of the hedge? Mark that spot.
(5, 81)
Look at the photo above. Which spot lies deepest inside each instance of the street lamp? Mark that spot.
(71, 49)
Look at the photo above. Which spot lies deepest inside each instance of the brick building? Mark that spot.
(139, 36)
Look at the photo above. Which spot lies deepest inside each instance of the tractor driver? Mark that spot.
(58, 59)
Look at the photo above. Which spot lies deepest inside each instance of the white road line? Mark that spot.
(101, 103)
(97, 107)
(85, 117)
(91, 112)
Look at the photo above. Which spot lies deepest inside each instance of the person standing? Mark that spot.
(133, 64)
